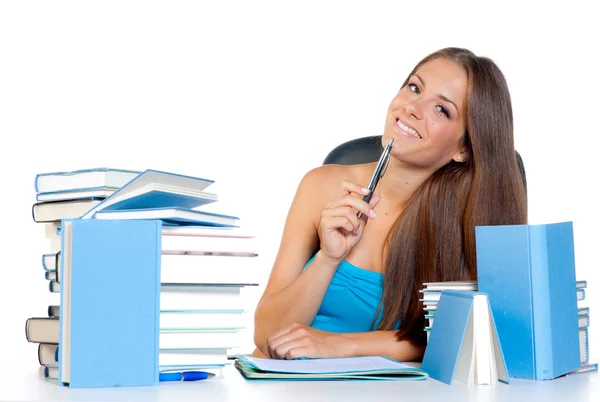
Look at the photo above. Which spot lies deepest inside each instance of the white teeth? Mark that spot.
(408, 130)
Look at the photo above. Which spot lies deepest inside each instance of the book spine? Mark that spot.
(63, 224)
(57, 263)
(44, 256)
(563, 316)
(53, 311)
(40, 354)
(157, 286)
(540, 295)
(27, 329)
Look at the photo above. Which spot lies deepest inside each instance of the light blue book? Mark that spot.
(528, 272)
(109, 339)
(328, 369)
(463, 344)
(157, 189)
(94, 192)
(173, 216)
(82, 179)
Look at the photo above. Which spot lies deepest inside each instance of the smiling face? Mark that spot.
(427, 118)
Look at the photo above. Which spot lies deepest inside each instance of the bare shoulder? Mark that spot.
(325, 182)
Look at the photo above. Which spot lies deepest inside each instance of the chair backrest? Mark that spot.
(368, 149)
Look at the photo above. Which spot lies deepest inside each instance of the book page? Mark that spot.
(483, 343)
(500, 364)
(464, 370)
(322, 366)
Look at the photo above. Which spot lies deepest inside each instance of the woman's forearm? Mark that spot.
(380, 343)
(298, 302)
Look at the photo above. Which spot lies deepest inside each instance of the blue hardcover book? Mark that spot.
(463, 344)
(83, 179)
(528, 272)
(156, 189)
(173, 216)
(109, 307)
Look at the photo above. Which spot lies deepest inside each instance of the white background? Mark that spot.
(254, 94)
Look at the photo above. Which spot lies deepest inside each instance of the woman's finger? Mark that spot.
(332, 223)
(352, 187)
(275, 344)
(341, 212)
(308, 351)
(267, 351)
(357, 204)
(374, 201)
(276, 335)
(282, 350)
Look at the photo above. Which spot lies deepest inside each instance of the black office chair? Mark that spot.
(368, 149)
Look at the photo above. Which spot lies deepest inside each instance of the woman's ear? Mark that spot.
(460, 157)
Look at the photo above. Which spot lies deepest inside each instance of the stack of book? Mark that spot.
(206, 260)
(584, 323)
(431, 297)
(432, 291)
(63, 195)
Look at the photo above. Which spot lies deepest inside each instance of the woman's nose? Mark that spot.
(414, 109)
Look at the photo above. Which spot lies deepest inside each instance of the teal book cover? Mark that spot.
(110, 292)
(460, 345)
(528, 272)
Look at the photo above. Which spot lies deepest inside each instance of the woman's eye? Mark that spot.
(442, 110)
(414, 88)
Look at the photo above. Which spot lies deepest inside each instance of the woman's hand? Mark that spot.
(299, 340)
(340, 230)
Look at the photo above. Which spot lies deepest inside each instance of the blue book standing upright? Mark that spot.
(464, 344)
(109, 311)
(528, 272)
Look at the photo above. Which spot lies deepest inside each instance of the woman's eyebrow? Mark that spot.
(420, 79)
(442, 97)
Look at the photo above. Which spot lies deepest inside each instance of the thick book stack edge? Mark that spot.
(58, 196)
(432, 291)
(205, 265)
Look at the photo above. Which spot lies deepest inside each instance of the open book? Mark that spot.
(172, 216)
(464, 344)
(157, 189)
(347, 368)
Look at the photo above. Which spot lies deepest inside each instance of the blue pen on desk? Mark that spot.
(183, 376)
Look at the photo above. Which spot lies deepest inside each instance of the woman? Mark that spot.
(453, 167)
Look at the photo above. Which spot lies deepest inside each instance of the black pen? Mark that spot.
(380, 169)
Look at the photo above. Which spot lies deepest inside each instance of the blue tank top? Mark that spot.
(351, 300)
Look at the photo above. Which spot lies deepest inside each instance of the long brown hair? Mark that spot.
(434, 237)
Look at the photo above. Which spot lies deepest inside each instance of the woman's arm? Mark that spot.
(381, 343)
(292, 295)
(299, 340)
(297, 302)
(322, 215)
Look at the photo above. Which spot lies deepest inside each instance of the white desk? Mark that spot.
(29, 384)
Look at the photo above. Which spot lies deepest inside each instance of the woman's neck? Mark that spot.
(400, 182)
